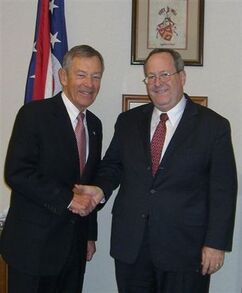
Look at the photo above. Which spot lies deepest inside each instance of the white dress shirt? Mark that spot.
(73, 112)
(174, 115)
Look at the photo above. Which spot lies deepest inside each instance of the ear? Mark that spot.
(183, 77)
(62, 76)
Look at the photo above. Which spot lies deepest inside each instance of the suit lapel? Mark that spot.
(184, 129)
(66, 140)
(92, 134)
(63, 120)
(144, 130)
(64, 133)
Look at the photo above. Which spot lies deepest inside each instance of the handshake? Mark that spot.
(85, 199)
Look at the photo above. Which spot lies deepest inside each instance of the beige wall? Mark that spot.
(106, 25)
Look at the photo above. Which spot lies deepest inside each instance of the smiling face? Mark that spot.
(81, 81)
(164, 94)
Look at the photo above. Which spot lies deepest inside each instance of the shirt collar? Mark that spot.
(72, 110)
(175, 113)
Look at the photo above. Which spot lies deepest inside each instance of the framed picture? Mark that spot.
(132, 101)
(176, 24)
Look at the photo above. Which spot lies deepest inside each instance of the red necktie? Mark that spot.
(81, 140)
(157, 142)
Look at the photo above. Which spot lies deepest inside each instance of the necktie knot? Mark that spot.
(80, 116)
(164, 117)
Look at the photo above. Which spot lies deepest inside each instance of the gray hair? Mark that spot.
(81, 51)
(178, 61)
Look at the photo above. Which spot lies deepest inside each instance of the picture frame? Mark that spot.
(130, 101)
(172, 24)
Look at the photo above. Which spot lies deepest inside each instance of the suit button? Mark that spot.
(144, 216)
(152, 191)
(148, 168)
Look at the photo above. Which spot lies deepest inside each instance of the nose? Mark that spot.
(158, 81)
(88, 81)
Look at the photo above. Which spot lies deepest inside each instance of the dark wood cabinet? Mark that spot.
(3, 271)
(3, 276)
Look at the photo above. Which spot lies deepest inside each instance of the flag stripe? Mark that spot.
(50, 46)
(42, 58)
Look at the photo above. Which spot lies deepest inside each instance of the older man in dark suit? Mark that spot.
(173, 216)
(45, 242)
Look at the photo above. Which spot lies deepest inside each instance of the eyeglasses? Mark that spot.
(162, 77)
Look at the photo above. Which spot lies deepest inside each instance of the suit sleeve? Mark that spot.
(222, 191)
(93, 224)
(109, 173)
(22, 166)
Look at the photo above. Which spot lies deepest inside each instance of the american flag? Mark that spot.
(50, 46)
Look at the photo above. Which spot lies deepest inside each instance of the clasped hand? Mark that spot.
(85, 199)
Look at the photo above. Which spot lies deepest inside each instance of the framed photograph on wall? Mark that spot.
(176, 24)
(132, 101)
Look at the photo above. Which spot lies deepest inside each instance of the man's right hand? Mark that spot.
(94, 191)
(82, 204)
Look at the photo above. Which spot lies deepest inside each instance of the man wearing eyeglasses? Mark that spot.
(173, 216)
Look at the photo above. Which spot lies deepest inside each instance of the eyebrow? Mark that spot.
(82, 71)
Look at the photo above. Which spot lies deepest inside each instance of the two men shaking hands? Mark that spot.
(85, 199)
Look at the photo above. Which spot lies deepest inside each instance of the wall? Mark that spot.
(106, 24)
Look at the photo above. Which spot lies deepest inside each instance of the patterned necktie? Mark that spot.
(81, 140)
(157, 142)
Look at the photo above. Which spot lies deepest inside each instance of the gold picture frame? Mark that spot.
(132, 101)
(168, 24)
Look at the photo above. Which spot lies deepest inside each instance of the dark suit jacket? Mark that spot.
(191, 200)
(42, 166)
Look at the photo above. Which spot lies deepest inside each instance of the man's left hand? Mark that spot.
(212, 260)
(91, 249)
